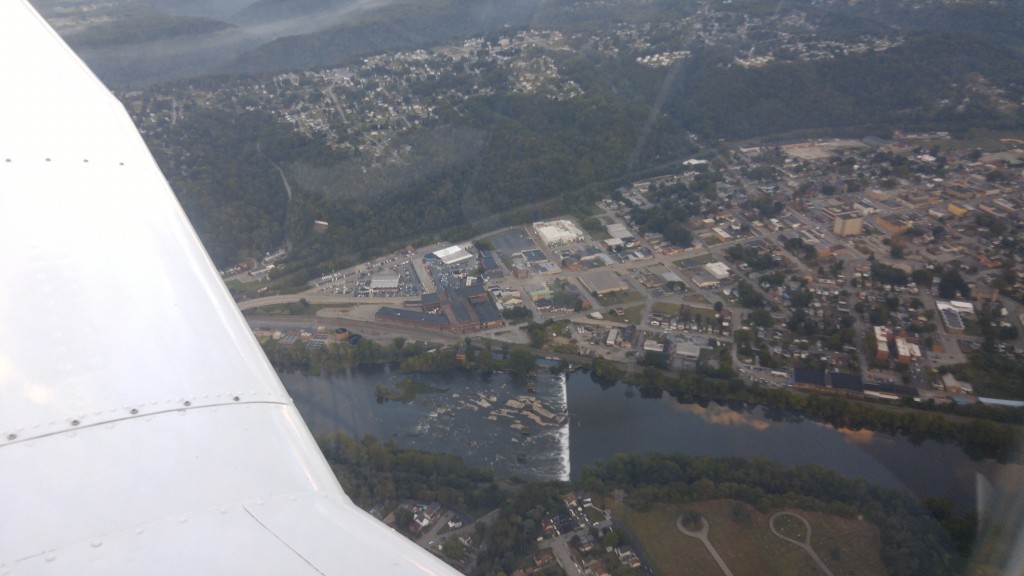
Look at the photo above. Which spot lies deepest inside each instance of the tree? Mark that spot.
(922, 277)
(761, 317)
(403, 517)
(691, 519)
(951, 282)
(521, 362)
(740, 513)
(454, 548)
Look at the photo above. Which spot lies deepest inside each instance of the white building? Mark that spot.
(653, 346)
(619, 230)
(558, 232)
(452, 255)
(717, 269)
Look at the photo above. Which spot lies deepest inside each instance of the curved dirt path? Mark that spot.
(702, 535)
(805, 545)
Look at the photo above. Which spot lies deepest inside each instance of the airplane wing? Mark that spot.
(142, 429)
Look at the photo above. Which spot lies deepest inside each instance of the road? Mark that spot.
(371, 330)
(560, 546)
(287, 190)
(317, 299)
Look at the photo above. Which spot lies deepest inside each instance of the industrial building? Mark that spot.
(686, 356)
(491, 267)
(717, 269)
(385, 284)
(952, 314)
(601, 283)
(707, 282)
(453, 310)
(451, 255)
(619, 230)
(558, 232)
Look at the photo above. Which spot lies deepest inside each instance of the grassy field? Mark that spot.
(615, 298)
(695, 299)
(666, 308)
(791, 527)
(633, 315)
(742, 537)
(694, 261)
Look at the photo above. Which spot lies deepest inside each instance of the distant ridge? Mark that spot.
(396, 26)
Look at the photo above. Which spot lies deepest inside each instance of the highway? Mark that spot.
(372, 330)
(328, 299)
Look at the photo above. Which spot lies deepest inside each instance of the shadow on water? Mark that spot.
(484, 420)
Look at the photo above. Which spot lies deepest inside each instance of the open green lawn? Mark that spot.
(744, 540)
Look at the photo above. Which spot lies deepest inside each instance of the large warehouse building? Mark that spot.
(451, 255)
(452, 309)
(558, 232)
(601, 283)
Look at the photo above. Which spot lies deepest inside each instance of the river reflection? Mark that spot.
(608, 419)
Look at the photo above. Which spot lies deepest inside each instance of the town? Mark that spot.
(877, 266)
(842, 266)
(580, 535)
(364, 106)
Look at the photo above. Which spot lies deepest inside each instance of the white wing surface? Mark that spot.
(142, 429)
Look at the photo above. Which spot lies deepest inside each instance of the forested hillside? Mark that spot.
(926, 83)
(514, 125)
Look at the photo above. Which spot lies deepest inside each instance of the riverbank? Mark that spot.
(979, 437)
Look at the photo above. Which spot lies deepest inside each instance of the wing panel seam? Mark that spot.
(282, 540)
(75, 425)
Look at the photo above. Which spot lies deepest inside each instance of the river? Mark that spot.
(519, 429)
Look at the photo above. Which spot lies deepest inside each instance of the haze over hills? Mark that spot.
(134, 43)
(563, 99)
(591, 92)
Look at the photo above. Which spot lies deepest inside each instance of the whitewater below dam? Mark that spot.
(551, 427)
